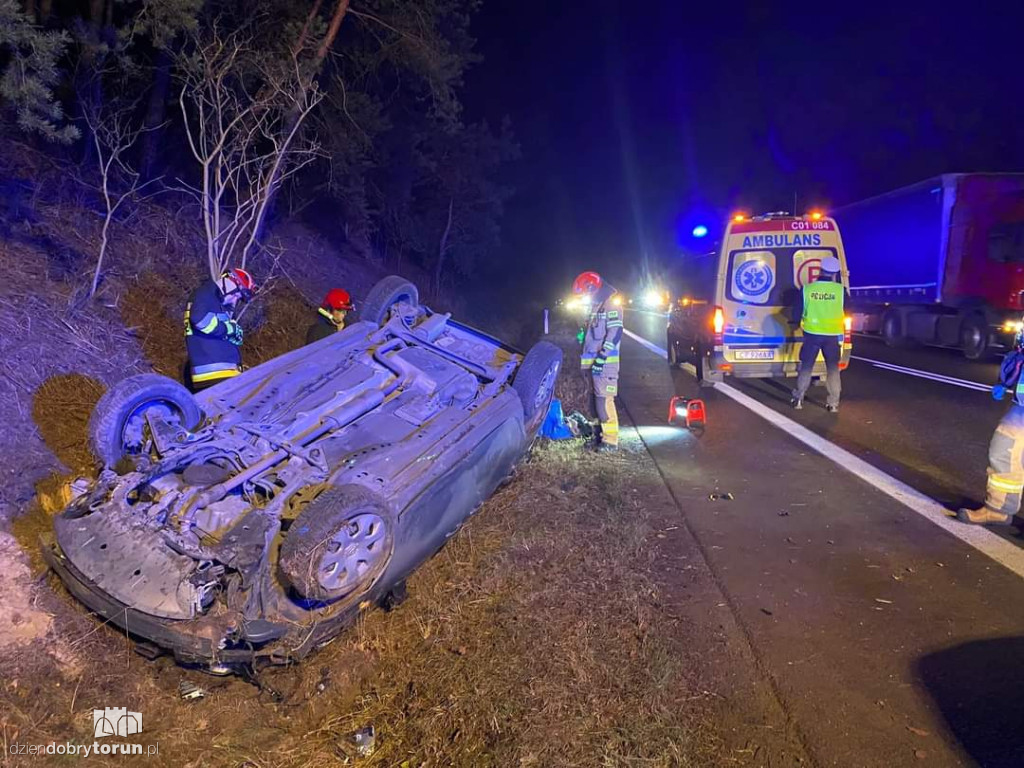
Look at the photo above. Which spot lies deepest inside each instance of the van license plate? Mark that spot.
(755, 354)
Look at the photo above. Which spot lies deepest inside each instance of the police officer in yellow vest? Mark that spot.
(822, 324)
(600, 354)
(1006, 451)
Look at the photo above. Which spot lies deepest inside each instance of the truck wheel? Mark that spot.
(673, 353)
(892, 330)
(118, 428)
(974, 337)
(388, 292)
(535, 381)
(339, 544)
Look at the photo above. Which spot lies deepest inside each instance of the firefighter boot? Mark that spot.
(983, 516)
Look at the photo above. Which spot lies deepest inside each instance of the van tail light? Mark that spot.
(847, 330)
(718, 324)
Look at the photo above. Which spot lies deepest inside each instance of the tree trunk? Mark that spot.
(29, 7)
(332, 33)
(300, 42)
(156, 113)
(318, 61)
(45, 9)
(104, 241)
(442, 250)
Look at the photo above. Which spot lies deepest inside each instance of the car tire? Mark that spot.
(974, 334)
(700, 365)
(384, 295)
(535, 381)
(325, 555)
(116, 427)
(673, 353)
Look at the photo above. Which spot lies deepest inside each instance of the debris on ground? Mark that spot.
(365, 740)
(190, 691)
(580, 425)
(721, 497)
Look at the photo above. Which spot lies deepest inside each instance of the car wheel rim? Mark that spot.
(546, 386)
(354, 554)
(135, 432)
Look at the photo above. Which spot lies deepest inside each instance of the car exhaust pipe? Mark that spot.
(343, 416)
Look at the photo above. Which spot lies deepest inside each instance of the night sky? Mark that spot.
(639, 120)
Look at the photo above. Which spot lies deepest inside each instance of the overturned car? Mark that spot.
(252, 522)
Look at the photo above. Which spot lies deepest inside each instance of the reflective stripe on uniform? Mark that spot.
(214, 368)
(587, 362)
(208, 323)
(1006, 484)
(199, 377)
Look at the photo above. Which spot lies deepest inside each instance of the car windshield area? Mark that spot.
(772, 277)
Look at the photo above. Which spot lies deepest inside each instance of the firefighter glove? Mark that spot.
(998, 392)
(598, 368)
(234, 333)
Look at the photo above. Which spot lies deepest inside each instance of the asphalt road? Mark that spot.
(888, 640)
(929, 433)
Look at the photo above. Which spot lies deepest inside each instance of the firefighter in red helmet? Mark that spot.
(331, 315)
(213, 336)
(599, 359)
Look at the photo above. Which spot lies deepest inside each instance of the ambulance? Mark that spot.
(738, 308)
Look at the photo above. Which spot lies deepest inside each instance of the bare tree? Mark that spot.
(243, 112)
(114, 133)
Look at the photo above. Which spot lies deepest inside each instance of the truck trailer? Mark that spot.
(940, 262)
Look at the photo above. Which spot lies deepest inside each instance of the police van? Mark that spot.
(738, 308)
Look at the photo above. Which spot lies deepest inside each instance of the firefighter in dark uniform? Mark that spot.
(600, 354)
(213, 337)
(330, 316)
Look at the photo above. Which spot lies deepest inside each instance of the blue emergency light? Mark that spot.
(700, 231)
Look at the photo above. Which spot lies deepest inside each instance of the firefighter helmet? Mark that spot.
(587, 283)
(237, 280)
(337, 298)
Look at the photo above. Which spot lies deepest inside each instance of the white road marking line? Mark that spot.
(965, 383)
(983, 540)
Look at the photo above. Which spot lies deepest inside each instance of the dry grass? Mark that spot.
(533, 639)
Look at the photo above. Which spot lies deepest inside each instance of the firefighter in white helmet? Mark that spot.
(600, 355)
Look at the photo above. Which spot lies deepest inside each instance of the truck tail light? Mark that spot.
(847, 329)
(718, 324)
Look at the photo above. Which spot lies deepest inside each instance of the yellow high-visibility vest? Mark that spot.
(823, 308)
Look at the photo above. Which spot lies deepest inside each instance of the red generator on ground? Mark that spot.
(692, 413)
